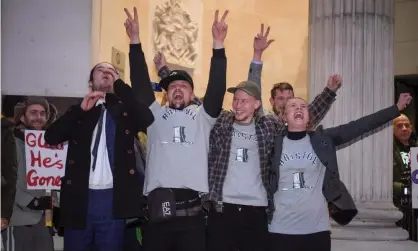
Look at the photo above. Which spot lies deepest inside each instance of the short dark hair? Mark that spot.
(9, 103)
(281, 87)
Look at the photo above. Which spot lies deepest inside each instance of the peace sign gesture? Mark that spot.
(260, 41)
(132, 26)
(219, 27)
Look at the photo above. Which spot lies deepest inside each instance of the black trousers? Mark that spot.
(131, 243)
(320, 241)
(238, 227)
(182, 233)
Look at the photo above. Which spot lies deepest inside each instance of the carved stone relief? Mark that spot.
(175, 34)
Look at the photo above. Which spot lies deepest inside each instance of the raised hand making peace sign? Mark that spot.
(132, 26)
(260, 41)
(219, 29)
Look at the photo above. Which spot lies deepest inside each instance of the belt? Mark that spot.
(219, 206)
(193, 211)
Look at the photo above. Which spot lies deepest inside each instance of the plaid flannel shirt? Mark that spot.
(266, 127)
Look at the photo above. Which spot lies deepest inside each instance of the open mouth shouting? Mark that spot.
(298, 115)
(178, 96)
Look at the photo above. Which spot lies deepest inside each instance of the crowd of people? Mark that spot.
(185, 174)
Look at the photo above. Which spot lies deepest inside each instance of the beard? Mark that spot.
(177, 101)
(177, 106)
(35, 124)
(105, 86)
(104, 89)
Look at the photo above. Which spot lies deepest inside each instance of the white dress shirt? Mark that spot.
(101, 177)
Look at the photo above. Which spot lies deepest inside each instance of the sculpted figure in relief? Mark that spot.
(175, 34)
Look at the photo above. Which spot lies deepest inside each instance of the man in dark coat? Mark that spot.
(101, 187)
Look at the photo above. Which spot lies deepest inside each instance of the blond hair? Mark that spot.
(310, 126)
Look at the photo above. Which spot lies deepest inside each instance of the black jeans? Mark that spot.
(238, 227)
(182, 233)
(131, 242)
(320, 241)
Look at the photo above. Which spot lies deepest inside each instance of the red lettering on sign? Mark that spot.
(33, 180)
(34, 140)
(36, 159)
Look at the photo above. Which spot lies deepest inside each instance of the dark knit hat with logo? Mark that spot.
(176, 75)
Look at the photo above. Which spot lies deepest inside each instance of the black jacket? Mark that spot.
(76, 127)
(324, 143)
(8, 168)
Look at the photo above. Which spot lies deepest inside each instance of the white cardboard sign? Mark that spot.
(45, 164)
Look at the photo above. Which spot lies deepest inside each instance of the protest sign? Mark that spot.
(45, 164)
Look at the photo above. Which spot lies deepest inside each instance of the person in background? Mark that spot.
(305, 179)
(8, 171)
(101, 187)
(279, 94)
(8, 105)
(27, 230)
(403, 140)
(8, 158)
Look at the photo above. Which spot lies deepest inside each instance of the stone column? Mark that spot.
(355, 38)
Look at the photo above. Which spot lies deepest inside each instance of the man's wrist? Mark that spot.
(218, 44)
(257, 56)
(332, 89)
(135, 40)
(159, 67)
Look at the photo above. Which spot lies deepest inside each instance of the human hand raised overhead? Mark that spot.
(403, 101)
(219, 30)
(261, 43)
(159, 61)
(334, 82)
(132, 26)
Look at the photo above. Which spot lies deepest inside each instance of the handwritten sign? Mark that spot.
(45, 164)
(414, 176)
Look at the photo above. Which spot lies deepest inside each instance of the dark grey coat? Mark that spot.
(324, 142)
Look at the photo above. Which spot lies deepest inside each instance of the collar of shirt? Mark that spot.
(100, 102)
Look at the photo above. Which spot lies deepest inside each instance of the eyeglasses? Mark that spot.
(401, 125)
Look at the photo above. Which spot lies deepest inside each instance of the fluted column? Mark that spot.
(355, 39)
